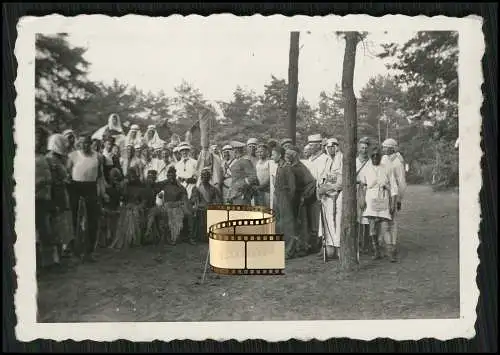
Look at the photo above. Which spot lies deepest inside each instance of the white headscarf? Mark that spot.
(156, 140)
(133, 141)
(110, 126)
(117, 126)
(58, 144)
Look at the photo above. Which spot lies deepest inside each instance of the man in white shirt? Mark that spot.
(330, 193)
(86, 172)
(316, 164)
(163, 163)
(186, 168)
(394, 161)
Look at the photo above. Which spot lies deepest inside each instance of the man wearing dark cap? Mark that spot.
(287, 143)
(244, 177)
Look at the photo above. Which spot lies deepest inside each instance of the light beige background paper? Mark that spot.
(471, 44)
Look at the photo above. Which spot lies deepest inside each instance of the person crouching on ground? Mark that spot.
(129, 230)
(175, 203)
(203, 195)
(381, 195)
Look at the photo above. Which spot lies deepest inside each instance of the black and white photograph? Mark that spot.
(361, 134)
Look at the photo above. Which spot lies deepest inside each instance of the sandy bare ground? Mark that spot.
(147, 284)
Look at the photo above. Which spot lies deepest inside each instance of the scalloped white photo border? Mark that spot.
(472, 47)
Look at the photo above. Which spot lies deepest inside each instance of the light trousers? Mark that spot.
(330, 219)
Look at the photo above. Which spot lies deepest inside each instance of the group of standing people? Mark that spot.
(305, 191)
(139, 189)
(117, 191)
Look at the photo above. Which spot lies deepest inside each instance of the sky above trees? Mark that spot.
(217, 62)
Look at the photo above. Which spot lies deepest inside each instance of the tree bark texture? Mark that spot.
(293, 84)
(348, 245)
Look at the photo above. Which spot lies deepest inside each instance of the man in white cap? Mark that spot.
(330, 193)
(394, 161)
(252, 150)
(186, 168)
(316, 165)
(244, 177)
(227, 162)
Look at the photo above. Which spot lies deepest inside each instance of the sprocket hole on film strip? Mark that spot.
(243, 241)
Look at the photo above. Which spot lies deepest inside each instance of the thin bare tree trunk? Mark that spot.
(293, 84)
(349, 225)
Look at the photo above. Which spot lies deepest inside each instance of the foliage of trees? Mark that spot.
(418, 105)
(427, 67)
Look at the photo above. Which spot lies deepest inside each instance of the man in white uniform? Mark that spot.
(186, 168)
(316, 164)
(330, 193)
(362, 161)
(394, 161)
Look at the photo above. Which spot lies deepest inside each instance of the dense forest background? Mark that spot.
(417, 104)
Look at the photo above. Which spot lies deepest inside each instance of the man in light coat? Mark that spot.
(316, 164)
(394, 161)
(330, 193)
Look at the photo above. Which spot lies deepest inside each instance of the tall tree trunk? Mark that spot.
(348, 245)
(293, 84)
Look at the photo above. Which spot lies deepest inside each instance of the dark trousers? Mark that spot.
(42, 221)
(87, 190)
(313, 208)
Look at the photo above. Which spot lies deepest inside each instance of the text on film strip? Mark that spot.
(243, 240)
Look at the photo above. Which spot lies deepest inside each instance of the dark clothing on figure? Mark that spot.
(244, 179)
(87, 190)
(284, 191)
(201, 197)
(304, 202)
(176, 210)
(61, 221)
